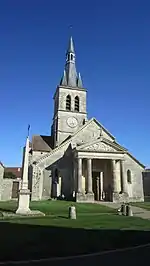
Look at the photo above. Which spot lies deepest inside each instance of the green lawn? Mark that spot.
(96, 228)
(58, 207)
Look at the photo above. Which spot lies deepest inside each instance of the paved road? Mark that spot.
(132, 257)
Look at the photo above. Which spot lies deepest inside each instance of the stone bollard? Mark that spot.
(129, 210)
(123, 209)
(72, 213)
(119, 211)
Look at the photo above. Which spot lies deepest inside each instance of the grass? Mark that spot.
(97, 228)
(58, 207)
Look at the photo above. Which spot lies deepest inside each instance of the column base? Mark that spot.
(23, 202)
(120, 197)
(90, 197)
(82, 197)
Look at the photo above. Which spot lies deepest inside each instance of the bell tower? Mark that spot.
(69, 101)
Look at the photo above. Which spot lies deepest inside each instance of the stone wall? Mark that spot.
(36, 155)
(60, 126)
(1, 172)
(36, 175)
(63, 92)
(146, 183)
(135, 188)
(63, 129)
(6, 188)
(47, 184)
(36, 183)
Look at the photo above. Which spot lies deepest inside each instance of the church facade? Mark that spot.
(81, 160)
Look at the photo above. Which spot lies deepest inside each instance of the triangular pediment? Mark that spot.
(91, 131)
(101, 145)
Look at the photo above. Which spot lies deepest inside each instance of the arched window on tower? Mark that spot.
(76, 107)
(68, 102)
(129, 176)
(71, 57)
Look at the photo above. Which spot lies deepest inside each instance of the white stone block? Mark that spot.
(72, 213)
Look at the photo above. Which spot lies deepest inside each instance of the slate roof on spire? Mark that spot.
(70, 46)
(64, 79)
(70, 77)
(80, 85)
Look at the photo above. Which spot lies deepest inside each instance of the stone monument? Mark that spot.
(24, 193)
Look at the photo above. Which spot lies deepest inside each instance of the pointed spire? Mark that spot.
(70, 77)
(79, 82)
(70, 67)
(63, 81)
(71, 46)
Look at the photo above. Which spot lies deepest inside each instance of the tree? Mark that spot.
(9, 175)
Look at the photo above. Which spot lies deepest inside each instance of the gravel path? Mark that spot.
(137, 211)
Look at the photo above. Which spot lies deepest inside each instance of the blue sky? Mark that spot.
(112, 43)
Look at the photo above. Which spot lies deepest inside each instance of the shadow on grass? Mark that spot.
(7, 210)
(21, 241)
(62, 216)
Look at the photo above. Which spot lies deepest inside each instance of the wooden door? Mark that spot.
(15, 189)
(95, 179)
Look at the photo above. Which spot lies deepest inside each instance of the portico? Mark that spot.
(100, 176)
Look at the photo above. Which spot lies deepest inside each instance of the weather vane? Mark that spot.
(70, 29)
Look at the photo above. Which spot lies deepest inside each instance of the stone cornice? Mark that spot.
(100, 155)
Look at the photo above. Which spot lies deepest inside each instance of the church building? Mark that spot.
(81, 160)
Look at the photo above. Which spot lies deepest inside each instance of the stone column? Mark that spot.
(114, 176)
(101, 184)
(89, 176)
(74, 178)
(118, 175)
(123, 177)
(79, 185)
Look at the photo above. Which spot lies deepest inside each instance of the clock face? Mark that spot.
(72, 122)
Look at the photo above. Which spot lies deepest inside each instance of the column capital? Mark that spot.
(122, 160)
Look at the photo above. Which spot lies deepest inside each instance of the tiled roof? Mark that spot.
(42, 143)
(17, 171)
